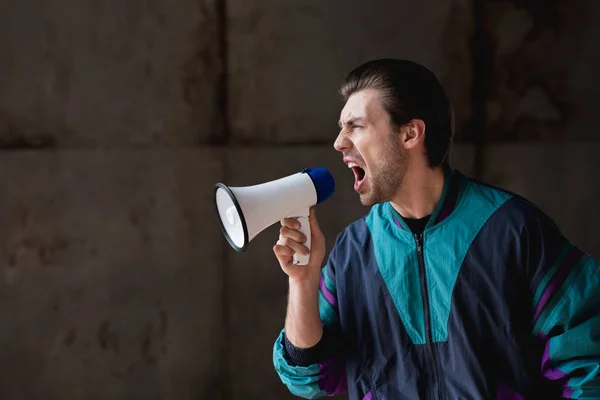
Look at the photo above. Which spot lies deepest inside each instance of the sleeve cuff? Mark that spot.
(304, 357)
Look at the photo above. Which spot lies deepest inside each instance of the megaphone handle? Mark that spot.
(302, 217)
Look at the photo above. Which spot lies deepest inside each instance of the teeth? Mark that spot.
(351, 164)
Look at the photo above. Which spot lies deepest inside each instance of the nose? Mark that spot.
(342, 142)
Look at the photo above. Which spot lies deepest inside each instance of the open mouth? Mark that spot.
(359, 174)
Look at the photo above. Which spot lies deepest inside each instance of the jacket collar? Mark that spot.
(444, 208)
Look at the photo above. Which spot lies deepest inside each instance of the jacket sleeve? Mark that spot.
(566, 309)
(318, 371)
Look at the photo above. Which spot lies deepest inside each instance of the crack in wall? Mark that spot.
(482, 56)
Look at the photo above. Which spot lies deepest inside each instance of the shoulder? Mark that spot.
(354, 238)
(356, 231)
(512, 209)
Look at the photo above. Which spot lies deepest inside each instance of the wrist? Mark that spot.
(305, 283)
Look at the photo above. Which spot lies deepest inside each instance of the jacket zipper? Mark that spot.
(419, 240)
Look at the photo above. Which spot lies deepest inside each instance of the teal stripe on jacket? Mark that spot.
(320, 379)
(444, 243)
(301, 381)
(570, 323)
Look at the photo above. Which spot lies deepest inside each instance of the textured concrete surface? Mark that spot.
(109, 274)
(562, 179)
(545, 70)
(287, 59)
(107, 74)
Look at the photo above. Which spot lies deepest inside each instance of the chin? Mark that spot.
(366, 200)
(371, 197)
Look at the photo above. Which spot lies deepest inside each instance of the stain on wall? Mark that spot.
(545, 69)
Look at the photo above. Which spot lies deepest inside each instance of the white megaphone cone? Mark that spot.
(246, 211)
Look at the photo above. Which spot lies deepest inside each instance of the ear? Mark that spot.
(413, 134)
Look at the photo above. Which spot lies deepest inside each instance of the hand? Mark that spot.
(291, 241)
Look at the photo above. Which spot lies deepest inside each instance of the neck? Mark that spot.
(421, 191)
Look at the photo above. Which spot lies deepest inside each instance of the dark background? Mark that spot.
(117, 118)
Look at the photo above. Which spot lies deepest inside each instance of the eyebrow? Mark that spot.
(351, 121)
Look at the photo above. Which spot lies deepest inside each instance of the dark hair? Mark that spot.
(409, 91)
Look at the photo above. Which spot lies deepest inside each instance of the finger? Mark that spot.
(281, 240)
(282, 251)
(293, 234)
(290, 223)
(295, 246)
(315, 230)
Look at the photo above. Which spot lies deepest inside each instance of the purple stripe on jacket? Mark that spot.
(570, 261)
(332, 377)
(552, 373)
(327, 294)
(398, 224)
(506, 393)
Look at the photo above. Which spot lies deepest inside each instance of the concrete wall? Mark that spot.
(288, 58)
(108, 74)
(116, 280)
(545, 70)
(110, 275)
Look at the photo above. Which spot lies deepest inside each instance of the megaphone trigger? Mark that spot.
(302, 217)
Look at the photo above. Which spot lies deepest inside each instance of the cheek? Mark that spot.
(365, 153)
(365, 147)
(371, 155)
(373, 148)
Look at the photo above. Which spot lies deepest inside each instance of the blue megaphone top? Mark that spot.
(323, 181)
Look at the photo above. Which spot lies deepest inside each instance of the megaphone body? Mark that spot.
(246, 211)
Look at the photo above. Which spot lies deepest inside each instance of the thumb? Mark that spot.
(315, 230)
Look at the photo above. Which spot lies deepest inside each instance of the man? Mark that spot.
(448, 288)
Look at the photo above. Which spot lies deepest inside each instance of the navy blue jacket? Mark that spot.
(490, 301)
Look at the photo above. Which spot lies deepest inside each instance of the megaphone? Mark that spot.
(246, 211)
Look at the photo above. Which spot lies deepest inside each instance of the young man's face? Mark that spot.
(371, 147)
